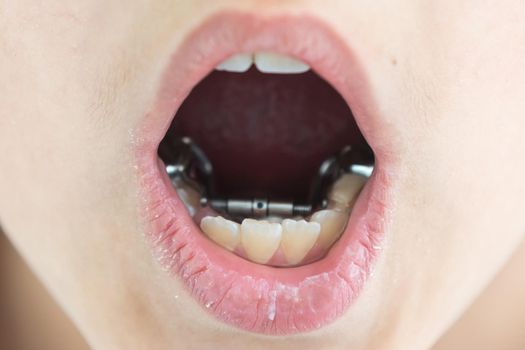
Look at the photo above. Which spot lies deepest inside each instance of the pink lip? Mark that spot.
(253, 297)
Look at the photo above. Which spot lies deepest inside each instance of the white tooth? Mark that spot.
(224, 232)
(268, 62)
(298, 238)
(332, 225)
(260, 239)
(188, 196)
(273, 219)
(345, 190)
(362, 169)
(238, 63)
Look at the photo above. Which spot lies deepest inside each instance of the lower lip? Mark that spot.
(254, 297)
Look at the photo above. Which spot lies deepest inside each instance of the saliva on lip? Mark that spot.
(283, 237)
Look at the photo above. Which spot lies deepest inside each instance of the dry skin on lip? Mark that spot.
(278, 132)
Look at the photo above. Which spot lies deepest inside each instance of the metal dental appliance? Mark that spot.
(186, 163)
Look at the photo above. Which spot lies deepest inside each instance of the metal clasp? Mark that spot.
(186, 162)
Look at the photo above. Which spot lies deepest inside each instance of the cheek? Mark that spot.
(67, 183)
(461, 197)
(461, 194)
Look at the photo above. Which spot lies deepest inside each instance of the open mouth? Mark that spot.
(261, 191)
(267, 159)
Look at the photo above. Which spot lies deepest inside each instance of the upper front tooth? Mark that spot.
(224, 232)
(260, 239)
(345, 190)
(268, 62)
(298, 238)
(239, 63)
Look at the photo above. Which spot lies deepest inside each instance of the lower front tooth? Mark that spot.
(224, 232)
(332, 225)
(260, 239)
(298, 238)
(273, 219)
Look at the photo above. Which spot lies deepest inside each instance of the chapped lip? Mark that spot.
(263, 299)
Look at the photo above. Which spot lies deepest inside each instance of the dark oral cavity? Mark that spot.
(265, 135)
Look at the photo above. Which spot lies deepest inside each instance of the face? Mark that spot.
(89, 91)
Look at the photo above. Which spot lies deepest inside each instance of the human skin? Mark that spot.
(78, 78)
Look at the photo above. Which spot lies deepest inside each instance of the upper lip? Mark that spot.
(254, 297)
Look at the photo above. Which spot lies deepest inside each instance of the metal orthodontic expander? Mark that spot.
(189, 164)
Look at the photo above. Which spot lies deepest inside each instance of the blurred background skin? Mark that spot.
(30, 319)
